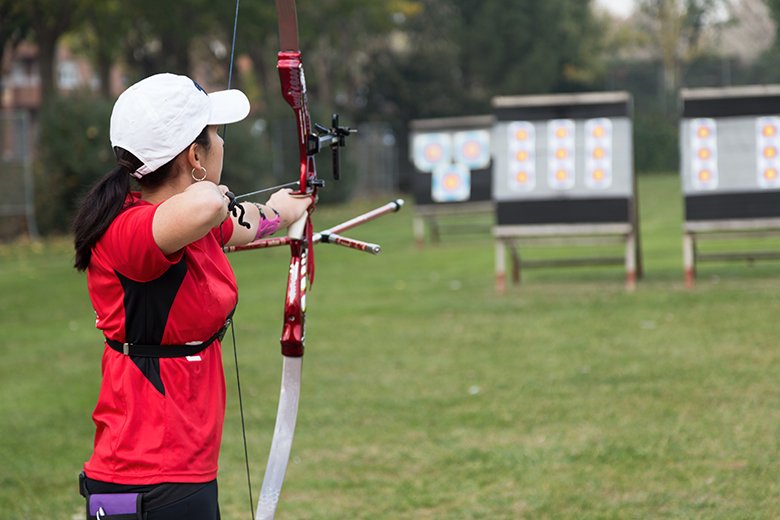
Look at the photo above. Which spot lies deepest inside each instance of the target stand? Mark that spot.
(730, 170)
(452, 159)
(564, 176)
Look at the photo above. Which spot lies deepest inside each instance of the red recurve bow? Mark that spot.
(301, 238)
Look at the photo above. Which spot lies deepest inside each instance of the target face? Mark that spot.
(521, 137)
(704, 154)
(429, 150)
(598, 153)
(451, 183)
(768, 152)
(560, 154)
(472, 148)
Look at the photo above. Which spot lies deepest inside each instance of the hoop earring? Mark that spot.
(196, 179)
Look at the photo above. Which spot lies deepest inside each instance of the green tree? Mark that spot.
(450, 57)
(14, 23)
(73, 154)
(458, 54)
(525, 46)
(161, 35)
(774, 10)
(766, 69)
(676, 31)
(48, 21)
(102, 38)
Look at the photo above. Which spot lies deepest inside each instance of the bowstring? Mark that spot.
(232, 54)
(243, 424)
(232, 329)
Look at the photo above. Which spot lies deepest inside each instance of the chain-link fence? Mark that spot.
(375, 153)
(17, 209)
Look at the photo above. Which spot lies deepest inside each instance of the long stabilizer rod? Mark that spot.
(331, 235)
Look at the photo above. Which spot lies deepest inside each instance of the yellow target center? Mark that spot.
(451, 181)
(471, 149)
(433, 152)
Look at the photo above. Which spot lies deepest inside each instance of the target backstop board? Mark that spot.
(564, 167)
(729, 166)
(453, 163)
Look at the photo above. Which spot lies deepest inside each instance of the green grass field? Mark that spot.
(427, 396)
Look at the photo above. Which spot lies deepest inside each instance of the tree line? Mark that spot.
(383, 60)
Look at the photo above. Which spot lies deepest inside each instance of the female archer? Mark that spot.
(164, 292)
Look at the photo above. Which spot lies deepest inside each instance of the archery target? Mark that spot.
(521, 137)
(768, 151)
(704, 154)
(451, 182)
(429, 150)
(560, 154)
(598, 153)
(472, 148)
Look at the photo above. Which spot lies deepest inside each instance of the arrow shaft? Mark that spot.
(266, 190)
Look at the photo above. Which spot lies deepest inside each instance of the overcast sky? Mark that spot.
(619, 7)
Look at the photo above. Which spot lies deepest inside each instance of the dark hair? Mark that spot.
(108, 198)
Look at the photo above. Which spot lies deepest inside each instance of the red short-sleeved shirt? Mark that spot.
(159, 419)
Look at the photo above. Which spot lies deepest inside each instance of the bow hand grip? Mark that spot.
(296, 229)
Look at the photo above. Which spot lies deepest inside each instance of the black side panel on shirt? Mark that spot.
(147, 305)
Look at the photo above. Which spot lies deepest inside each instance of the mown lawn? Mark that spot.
(427, 396)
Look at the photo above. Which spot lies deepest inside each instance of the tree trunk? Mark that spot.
(104, 63)
(47, 48)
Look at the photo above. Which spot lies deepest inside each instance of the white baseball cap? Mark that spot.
(160, 116)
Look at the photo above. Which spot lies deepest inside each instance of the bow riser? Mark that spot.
(294, 329)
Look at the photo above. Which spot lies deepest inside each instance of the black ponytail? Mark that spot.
(107, 198)
(101, 205)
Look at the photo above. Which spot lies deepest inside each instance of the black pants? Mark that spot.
(168, 501)
(201, 505)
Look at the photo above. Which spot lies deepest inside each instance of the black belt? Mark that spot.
(167, 351)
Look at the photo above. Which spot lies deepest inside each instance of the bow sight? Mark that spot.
(335, 137)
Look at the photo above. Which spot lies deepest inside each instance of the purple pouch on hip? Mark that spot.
(115, 506)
